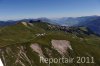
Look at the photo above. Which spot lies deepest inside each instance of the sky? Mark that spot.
(20, 9)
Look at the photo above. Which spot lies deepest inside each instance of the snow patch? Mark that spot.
(1, 64)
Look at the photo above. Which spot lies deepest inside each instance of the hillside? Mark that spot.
(94, 25)
(23, 43)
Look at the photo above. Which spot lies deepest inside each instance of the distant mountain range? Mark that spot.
(92, 22)
(7, 23)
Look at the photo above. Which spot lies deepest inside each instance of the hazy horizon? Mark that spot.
(46, 17)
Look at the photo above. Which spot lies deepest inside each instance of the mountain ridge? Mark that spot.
(24, 42)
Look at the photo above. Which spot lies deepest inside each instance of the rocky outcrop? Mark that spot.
(29, 54)
(61, 46)
(37, 48)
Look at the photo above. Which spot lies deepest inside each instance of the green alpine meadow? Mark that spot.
(23, 43)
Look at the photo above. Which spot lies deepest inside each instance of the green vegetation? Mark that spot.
(15, 44)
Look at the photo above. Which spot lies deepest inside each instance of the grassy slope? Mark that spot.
(21, 35)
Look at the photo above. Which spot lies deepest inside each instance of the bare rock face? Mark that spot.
(37, 48)
(61, 46)
(30, 24)
(21, 56)
(24, 23)
(27, 24)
